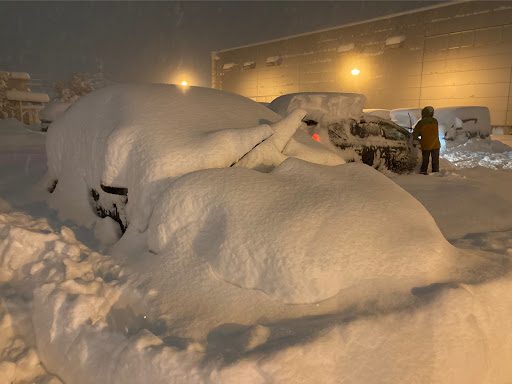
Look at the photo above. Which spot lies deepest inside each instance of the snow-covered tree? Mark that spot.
(4, 104)
(80, 85)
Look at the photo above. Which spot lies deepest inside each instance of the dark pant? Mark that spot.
(435, 160)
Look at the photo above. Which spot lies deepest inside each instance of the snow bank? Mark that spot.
(90, 326)
(317, 104)
(301, 242)
(73, 290)
(476, 152)
(22, 249)
(137, 136)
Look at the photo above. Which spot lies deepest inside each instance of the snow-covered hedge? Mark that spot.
(4, 78)
(70, 91)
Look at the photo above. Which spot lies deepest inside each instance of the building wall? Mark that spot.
(456, 54)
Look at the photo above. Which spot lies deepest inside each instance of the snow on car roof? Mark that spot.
(341, 105)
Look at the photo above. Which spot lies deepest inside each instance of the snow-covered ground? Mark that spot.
(494, 153)
(348, 279)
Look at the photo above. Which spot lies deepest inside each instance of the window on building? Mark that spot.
(345, 47)
(395, 41)
(273, 60)
(228, 66)
(249, 65)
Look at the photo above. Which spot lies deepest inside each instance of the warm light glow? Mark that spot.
(355, 71)
(184, 83)
(316, 137)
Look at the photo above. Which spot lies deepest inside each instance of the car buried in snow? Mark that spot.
(456, 124)
(338, 121)
(119, 147)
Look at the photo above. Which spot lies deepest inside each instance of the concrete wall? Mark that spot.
(456, 54)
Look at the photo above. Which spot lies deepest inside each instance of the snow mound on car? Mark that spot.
(382, 113)
(303, 232)
(53, 110)
(137, 136)
(317, 104)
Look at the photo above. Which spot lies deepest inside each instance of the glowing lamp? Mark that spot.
(184, 83)
(355, 72)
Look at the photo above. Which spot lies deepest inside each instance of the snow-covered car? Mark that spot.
(337, 119)
(128, 142)
(51, 112)
(463, 123)
(455, 123)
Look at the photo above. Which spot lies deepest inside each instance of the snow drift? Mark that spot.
(89, 330)
(302, 233)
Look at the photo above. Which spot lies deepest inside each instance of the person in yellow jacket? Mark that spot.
(428, 129)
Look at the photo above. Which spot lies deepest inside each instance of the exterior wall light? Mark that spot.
(355, 72)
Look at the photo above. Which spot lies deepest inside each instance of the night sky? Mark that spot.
(158, 41)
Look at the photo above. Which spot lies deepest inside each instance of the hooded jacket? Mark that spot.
(428, 129)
